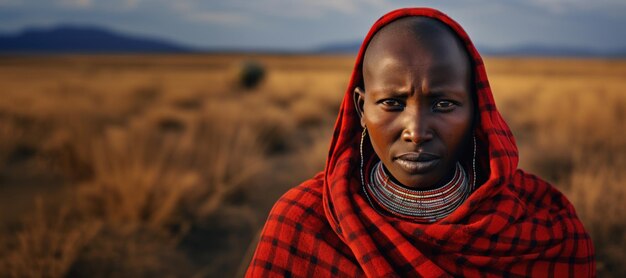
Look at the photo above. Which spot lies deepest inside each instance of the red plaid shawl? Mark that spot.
(513, 225)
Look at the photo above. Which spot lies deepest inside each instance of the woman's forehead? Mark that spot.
(411, 34)
(416, 42)
(407, 27)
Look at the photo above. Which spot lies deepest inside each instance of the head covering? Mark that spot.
(513, 224)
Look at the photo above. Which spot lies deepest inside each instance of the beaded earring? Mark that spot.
(361, 153)
(474, 164)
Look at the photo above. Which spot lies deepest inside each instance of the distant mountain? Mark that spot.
(342, 47)
(525, 50)
(92, 39)
(539, 50)
(83, 39)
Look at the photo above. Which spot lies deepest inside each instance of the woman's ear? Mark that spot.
(359, 100)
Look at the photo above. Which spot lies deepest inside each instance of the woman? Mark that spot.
(421, 177)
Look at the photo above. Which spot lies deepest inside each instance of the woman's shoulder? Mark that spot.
(296, 235)
(535, 191)
(301, 204)
(298, 216)
(550, 216)
(546, 204)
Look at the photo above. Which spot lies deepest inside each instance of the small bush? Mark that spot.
(249, 74)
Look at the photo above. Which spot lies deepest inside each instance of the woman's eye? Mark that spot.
(391, 103)
(444, 105)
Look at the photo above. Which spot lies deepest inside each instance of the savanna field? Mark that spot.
(167, 165)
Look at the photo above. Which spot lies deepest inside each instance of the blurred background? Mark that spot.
(151, 137)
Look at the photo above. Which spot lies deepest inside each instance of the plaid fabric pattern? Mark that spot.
(514, 224)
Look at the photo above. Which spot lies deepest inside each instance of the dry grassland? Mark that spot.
(164, 166)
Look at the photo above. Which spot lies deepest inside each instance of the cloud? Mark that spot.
(192, 12)
(9, 3)
(131, 3)
(343, 6)
(565, 6)
(238, 11)
(218, 17)
(314, 9)
(80, 4)
(109, 5)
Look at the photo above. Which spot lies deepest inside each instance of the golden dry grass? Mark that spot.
(161, 165)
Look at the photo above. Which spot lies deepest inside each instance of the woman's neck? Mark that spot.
(426, 206)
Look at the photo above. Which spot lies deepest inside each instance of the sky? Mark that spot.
(308, 24)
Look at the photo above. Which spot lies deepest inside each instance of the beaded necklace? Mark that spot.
(425, 206)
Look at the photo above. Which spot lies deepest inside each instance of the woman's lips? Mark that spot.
(417, 162)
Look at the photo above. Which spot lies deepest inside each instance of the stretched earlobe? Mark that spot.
(359, 99)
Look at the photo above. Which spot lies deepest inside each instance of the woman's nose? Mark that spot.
(416, 128)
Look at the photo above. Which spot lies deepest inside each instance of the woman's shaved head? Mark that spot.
(424, 34)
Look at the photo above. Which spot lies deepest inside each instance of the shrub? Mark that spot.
(249, 74)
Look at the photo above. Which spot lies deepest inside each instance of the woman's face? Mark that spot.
(417, 105)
